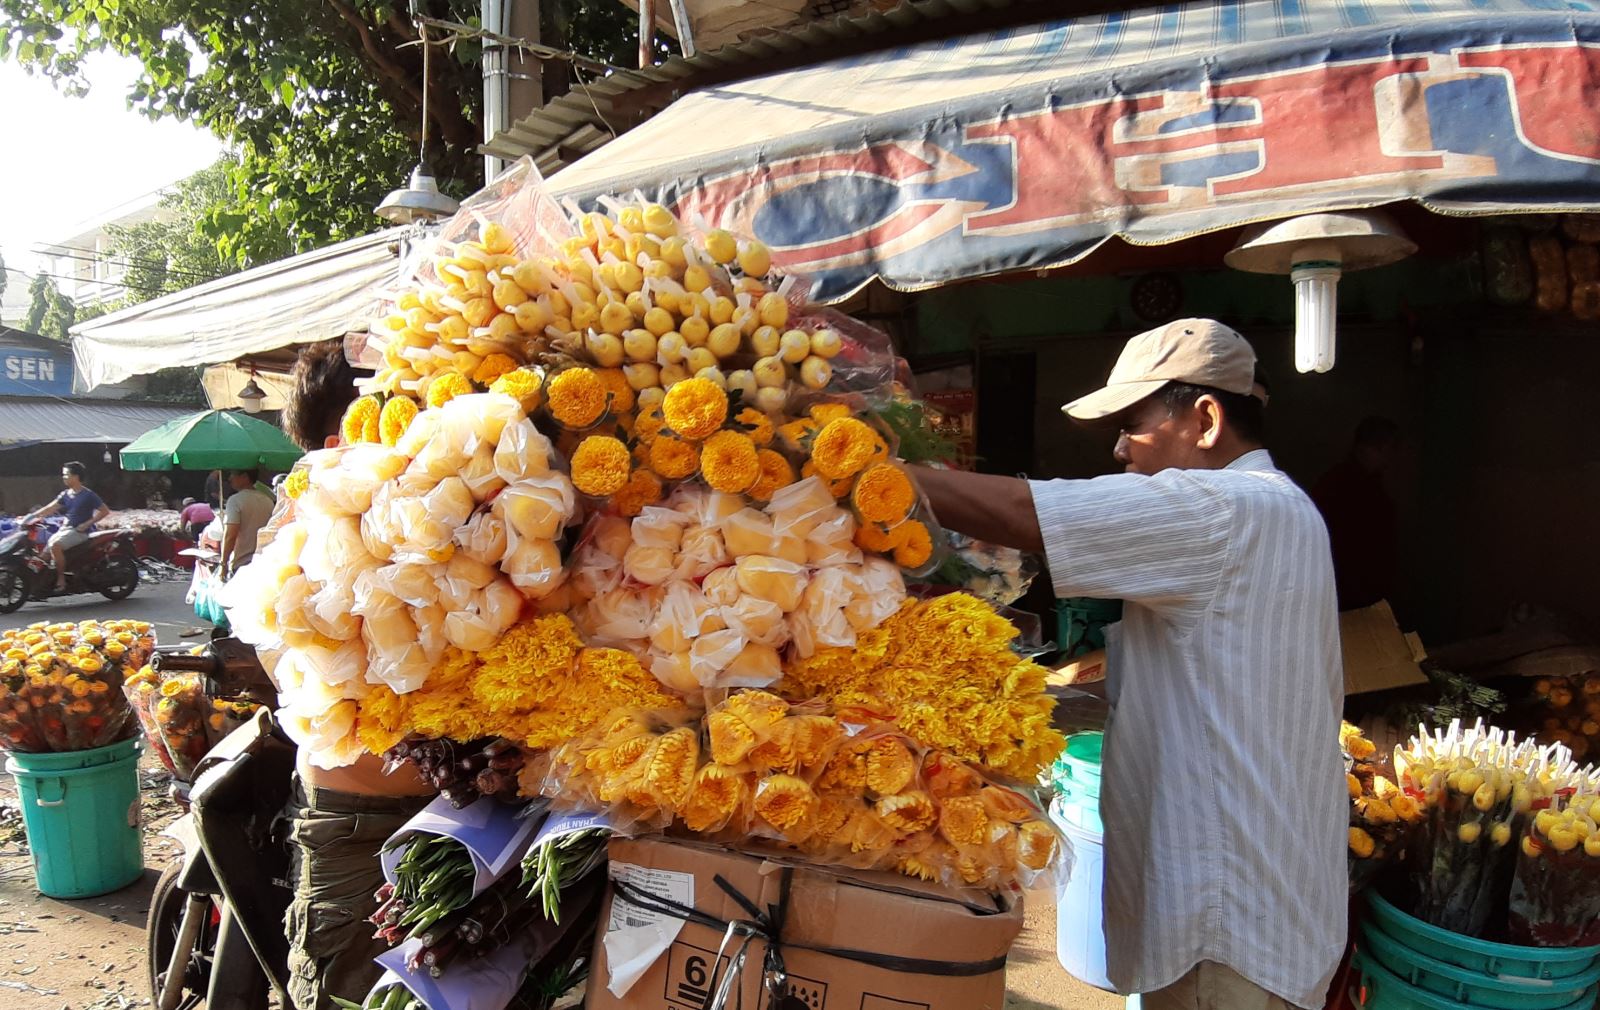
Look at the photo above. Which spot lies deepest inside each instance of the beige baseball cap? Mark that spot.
(1201, 352)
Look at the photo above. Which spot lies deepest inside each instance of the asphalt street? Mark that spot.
(159, 603)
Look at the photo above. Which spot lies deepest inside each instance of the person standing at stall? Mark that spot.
(246, 511)
(1223, 799)
(339, 818)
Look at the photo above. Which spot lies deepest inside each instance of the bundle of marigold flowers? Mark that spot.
(1382, 816)
(943, 669)
(759, 769)
(59, 683)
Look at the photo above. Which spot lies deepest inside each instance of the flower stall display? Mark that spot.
(60, 684)
(1383, 817)
(621, 525)
(180, 722)
(1555, 890)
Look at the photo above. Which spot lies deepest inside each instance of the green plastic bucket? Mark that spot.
(81, 813)
(1479, 955)
(1076, 779)
(1377, 988)
(1503, 992)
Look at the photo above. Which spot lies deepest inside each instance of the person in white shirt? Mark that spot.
(1223, 799)
(246, 511)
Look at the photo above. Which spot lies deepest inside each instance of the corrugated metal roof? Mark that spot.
(595, 113)
(28, 420)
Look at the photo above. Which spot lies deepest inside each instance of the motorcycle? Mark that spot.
(215, 934)
(105, 563)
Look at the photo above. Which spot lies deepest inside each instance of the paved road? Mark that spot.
(161, 604)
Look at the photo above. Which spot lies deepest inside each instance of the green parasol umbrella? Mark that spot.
(211, 440)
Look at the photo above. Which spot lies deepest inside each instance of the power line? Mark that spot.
(128, 261)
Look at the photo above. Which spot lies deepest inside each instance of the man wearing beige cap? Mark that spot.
(1223, 802)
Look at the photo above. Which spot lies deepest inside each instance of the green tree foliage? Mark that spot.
(50, 313)
(173, 252)
(321, 99)
(4, 277)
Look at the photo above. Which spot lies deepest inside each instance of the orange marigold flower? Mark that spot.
(833, 813)
(732, 739)
(642, 489)
(673, 458)
(357, 417)
(890, 766)
(963, 820)
(670, 774)
(846, 772)
(718, 794)
(915, 547)
(728, 461)
(838, 488)
(785, 802)
(601, 466)
(297, 483)
(525, 385)
(492, 367)
(616, 383)
(694, 408)
(813, 736)
(883, 494)
(872, 537)
(843, 447)
(798, 434)
(446, 387)
(908, 811)
(776, 473)
(777, 751)
(577, 397)
(1036, 844)
(755, 424)
(761, 709)
(648, 424)
(826, 413)
(395, 418)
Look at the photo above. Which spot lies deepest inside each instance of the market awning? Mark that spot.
(29, 420)
(1028, 148)
(312, 296)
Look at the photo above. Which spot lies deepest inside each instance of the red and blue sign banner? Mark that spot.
(1027, 149)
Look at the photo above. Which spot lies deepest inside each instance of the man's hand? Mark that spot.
(983, 506)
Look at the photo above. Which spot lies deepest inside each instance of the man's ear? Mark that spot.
(1210, 409)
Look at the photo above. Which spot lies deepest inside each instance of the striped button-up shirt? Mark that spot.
(1223, 799)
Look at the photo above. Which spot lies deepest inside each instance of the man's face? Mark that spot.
(238, 481)
(1151, 438)
(69, 478)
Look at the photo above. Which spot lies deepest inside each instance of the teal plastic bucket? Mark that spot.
(1503, 992)
(81, 812)
(1377, 988)
(1479, 955)
(1076, 779)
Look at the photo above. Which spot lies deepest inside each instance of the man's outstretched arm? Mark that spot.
(983, 506)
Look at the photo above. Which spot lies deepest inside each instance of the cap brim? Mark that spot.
(1109, 400)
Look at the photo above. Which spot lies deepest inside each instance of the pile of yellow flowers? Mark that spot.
(1382, 816)
(944, 671)
(758, 768)
(58, 683)
(175, 714)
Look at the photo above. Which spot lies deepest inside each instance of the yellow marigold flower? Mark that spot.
(915, 547)
(172, 688)
(577, 397)
(670, 774)
(728, 461)
(79, 688)
(846, 772)
(867, 832)
(777, 751)
(694, 408)
(718, 794)
(672, 458)
(601, 466)
(909, 811)
(833, 813)
(827, 413)
(624, 755)
(1361, 843)
(890, 766)
(872, 537)
(1036, 844)
(642, 489)
(525, 385)
(761, 709)
(446, 386)
(883, 494)
(648, 424)
(89, 664)
(616, 383)
(732, 739)
(814, 736)
(776, 473)
(797, 435)
(396, 417)
(1005, 805)
(785, 802)
(843, 447)
(297, 483)
(360, 417)
(963, 820)
(1355, 742)
(755, 424)
(492, 367)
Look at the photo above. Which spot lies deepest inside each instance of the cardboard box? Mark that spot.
(1377, 655)
(1090, 668)
(843, 911)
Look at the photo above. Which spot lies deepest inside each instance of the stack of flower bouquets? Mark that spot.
(1555, 892)
(59, 684)
(1382, 816)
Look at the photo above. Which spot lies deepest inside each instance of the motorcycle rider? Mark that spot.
(338, 818)
(83, 508)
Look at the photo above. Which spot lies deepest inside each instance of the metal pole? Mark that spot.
(680, 17)
(494, 82)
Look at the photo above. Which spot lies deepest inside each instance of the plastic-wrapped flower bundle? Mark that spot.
(1383, 817)
(759, 769)
(60, 684)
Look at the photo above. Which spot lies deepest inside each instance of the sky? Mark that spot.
(68, 160)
